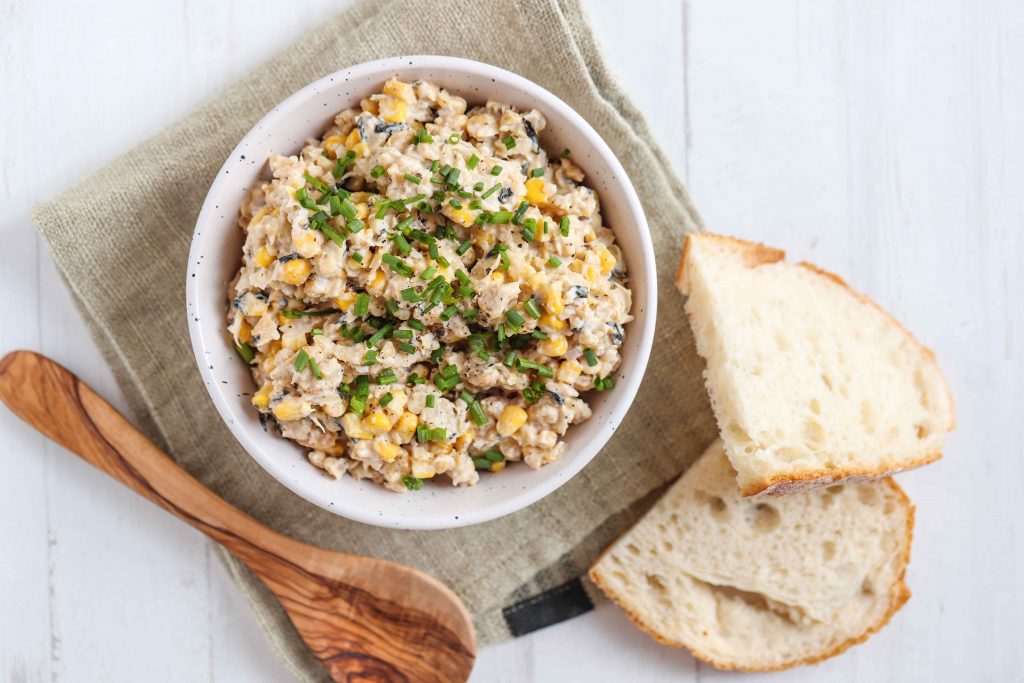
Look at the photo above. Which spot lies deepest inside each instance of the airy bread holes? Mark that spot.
(719, 510)
(829, 548)
(763, 518)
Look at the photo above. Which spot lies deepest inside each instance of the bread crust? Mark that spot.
(755, 255)
(898, 593)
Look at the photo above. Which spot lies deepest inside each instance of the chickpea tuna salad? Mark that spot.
(425, 291)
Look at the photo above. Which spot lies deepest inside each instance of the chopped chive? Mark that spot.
(315, 182)
(434, 165)
(305, 314)
(539, 334)
(357, 257)
(532, 308)
(411, 295)
(371, 357)
(563, 226)
(316, 332)
(477, 414)
(455, 204)
(412, 483)
(362, 306)
(511, 359)
(449, 312)
(537, 173)
(403, 245)
(554, 261)
(470, 314)
(472, 162)
(423, 136)
(502, 217)
(413, 199)
(453, 177)
(301, 360)
(564, 154)
(405, 347)
(335, 203)
(464, 247)
(377, 171)
(590, 356)
(348, 209)
(520, 211)
(382, 208)
(414, 179)
(397, 264)
(386, 399)
(496, 170)
(454, 139)
(415, 324)
(603, 384)
(386, 377)
(404, 223)
(392, 306)
(491, 191)
(514, 319)
(509, 142)
(438, 434)
(331, 233)
(402, 334)
(528, 234)
(430, 400)
(315, 369)
(342, 164)
(246, 352)
(542, 370)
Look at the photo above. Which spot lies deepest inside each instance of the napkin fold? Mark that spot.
(120, 239)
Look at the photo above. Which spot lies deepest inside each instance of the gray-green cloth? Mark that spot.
(120, 239)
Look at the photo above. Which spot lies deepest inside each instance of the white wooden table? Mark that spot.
(881, 140)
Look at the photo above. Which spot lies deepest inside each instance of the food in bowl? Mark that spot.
(424, 291)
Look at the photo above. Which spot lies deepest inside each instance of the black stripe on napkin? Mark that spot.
(550, 607)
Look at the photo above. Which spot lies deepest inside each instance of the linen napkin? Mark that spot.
(120, 239)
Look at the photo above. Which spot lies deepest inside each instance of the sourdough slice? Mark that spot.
(811, 383)
(761, 584)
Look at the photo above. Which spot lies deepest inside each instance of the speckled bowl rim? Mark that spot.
(345, 500)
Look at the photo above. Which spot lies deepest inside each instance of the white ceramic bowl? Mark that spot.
(215, 257)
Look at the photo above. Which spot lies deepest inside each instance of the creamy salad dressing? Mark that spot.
(424, 291)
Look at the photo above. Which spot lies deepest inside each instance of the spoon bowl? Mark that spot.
(363, 618)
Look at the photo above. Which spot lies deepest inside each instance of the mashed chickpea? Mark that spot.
(424, 291)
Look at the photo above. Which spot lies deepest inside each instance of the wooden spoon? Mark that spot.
(365, 619)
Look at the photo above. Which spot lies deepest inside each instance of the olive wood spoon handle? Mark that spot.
(364, 618)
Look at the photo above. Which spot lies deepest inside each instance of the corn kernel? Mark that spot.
(307, 243)
(331, 143)
(345, 301)
(387, 450)
(293, 339)
(512, 418)
(400, 90)
(353, 427)
(296, 271)
(263, 258)
(606, 257)
(353, 138)
(464, 440)
(336, 449)
(497, 276)
(369, 105)
(392, 109)
(360, 149)
(406, 425)
(568, 371)
(464, 217)
(535, 193)
(376, 285)
(362, 211)
(521, 270)
(245, 332)
(553, 346)
(553, 300)
(497, 466)
(261, 399)
(485, 240)
(422, 470)
(292, 409)
(551, 322)
(537, 281)
(360, 197)
(378, 423)
(589, 236)
(591, 272)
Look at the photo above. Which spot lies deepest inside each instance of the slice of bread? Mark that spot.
(761, 584)
(811, 383)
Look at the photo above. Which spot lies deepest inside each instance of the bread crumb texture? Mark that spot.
(811, 382)
(762, 584)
